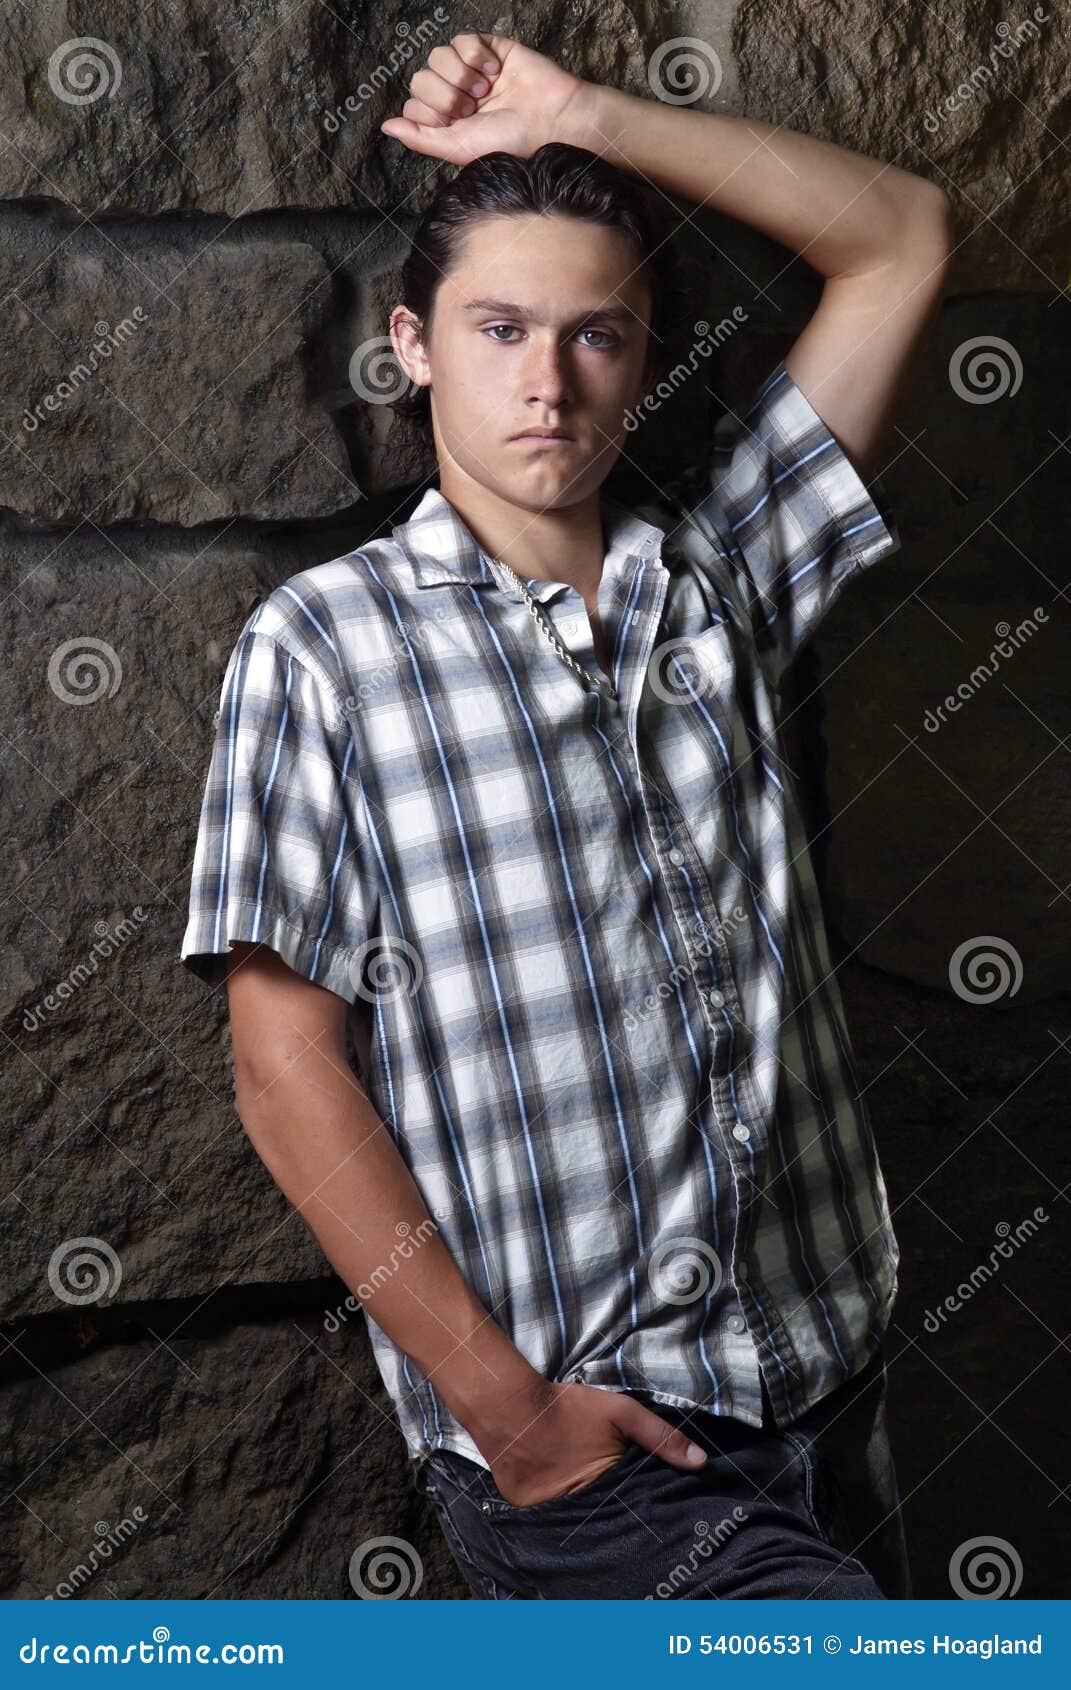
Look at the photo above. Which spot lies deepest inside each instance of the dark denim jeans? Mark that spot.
(810, 1511)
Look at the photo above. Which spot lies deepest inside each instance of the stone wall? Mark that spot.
(200, 232)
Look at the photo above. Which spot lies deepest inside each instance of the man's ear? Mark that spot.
(408, 344)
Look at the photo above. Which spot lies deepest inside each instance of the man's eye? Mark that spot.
(609, 340)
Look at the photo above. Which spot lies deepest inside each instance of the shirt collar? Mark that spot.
(440, 547)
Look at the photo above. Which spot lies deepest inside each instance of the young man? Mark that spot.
(507, 784)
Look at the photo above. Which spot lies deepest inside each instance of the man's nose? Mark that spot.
(548, 374)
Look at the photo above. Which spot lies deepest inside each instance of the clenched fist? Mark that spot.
(485, 94)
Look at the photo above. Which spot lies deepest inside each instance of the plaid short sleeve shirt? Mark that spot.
(607, 1036)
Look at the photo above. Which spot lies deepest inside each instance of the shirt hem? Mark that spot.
(206, 955)
(460, 1444)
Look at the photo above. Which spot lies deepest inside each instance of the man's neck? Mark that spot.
(548, 545)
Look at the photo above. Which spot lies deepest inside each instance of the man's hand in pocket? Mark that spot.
(560, 1438)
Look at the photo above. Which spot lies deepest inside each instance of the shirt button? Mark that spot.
(742, 1133)
(716, 998)
(735, 1323)
(676, 857)
(741, 1270)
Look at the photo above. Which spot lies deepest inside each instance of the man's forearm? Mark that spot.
(842, 211)
(328, 1150)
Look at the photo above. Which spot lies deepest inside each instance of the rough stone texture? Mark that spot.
(166, 385)
(217, 1401)
(243, 109)
(252, 1452)
(969, 1106)
(944, 831)
(869, 77)
(100, 809)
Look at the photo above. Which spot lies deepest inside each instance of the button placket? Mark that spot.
(684, 889)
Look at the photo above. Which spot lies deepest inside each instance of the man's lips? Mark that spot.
(545, 439)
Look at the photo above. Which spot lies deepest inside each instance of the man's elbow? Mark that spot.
(931, 227)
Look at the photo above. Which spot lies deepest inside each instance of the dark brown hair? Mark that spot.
(568, 181)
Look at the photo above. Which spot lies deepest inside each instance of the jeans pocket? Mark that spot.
(495, 1505)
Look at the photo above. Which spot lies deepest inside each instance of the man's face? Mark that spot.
(541, 325)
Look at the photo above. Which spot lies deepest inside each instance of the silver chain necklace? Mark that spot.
(600, 682)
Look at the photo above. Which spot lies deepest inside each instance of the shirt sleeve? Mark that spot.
(783, 503)
(280, 856)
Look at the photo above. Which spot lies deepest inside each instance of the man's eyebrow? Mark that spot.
(508, 308)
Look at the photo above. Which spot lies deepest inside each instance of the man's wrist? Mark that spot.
(491, 1388)
(582, 122)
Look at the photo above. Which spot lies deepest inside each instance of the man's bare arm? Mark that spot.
(880, 235)
(330, 1153)
(328, 1150)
